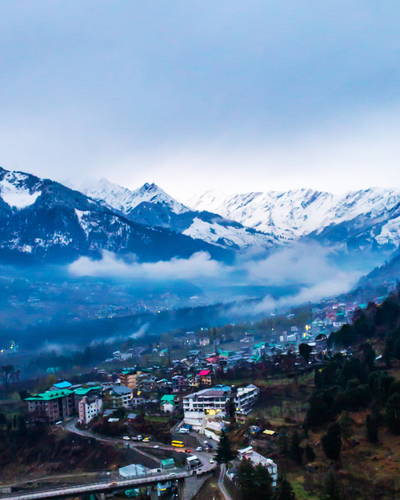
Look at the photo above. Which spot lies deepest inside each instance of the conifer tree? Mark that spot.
(331, 442)
(224, 449)
(284, 490)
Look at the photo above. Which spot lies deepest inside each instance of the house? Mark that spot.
(206, 377)
(137, 401)
(51, 406)
(256, 459)
(204, 341)
(120, 396)
(89, 407)
(167, 404)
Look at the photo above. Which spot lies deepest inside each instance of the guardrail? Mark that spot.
(98, 486)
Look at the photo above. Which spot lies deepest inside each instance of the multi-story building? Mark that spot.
(245, 398)
(120, 396)
(207, 402)
(203, 405)
(51, 406)
(89, 407)
(128, 378)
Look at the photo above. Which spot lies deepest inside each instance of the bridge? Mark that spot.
(106, 488)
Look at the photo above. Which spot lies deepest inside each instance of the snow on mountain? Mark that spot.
(124, 200)
(292, 214)
(14, 191)
(226, 234)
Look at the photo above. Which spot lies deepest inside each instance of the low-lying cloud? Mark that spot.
(305, 267)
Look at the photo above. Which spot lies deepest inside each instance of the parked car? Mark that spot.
(139, 438)
(146, 440)
(199, 448)
(212, 461)
(127, 438)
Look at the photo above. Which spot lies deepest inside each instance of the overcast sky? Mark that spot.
(194, 95)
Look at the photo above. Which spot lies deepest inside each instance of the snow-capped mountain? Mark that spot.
(152, 206)
(42, 220)
(124, 200)
(288, 216)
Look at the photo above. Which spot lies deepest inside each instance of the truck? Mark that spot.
(193, 462)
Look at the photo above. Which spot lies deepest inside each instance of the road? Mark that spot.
(221, 485)
(203, 456)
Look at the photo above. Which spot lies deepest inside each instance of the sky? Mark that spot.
(231, 95)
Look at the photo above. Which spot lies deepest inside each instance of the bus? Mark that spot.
(177, 444)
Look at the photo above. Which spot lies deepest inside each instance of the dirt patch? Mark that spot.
(210, 490)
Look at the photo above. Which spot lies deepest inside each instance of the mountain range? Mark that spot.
(42, 220)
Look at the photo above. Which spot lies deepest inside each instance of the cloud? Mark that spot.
(304, 267)
(198, 266)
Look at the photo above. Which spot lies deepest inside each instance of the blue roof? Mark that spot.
(63, 385)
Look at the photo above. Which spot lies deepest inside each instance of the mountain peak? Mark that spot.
(125, 200)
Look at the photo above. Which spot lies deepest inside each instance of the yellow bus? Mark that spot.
(178, 444)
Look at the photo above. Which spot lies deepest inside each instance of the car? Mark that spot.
(156, 446)
(188, 450)
(199, 448)
(111, 485)
(172, 474)
(146, 440)
(139, 438)
(127, 438)
(212, 461)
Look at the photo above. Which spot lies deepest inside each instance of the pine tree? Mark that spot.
(296, 451)
(284, 490)
(331, 442)
(372, 428)
(246, 479)
(393, 413)
(332, 488)
(263, 482)
(309, 453)
(224, 449)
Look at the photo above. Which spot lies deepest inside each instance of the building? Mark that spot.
(61, 385)
(208, 402)
(256, 459)
(206, 377)
(120, 396)
(137, 401)
(51, 406)
(89, 407)
(81, 392)
(128, 378)
(167, 404)
(204, 405)
(245, 398)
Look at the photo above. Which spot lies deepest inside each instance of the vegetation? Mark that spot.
(224, 449)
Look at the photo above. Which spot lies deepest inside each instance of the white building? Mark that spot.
(245, 398)
(201, 407)
(89, 408)
(256, 459)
